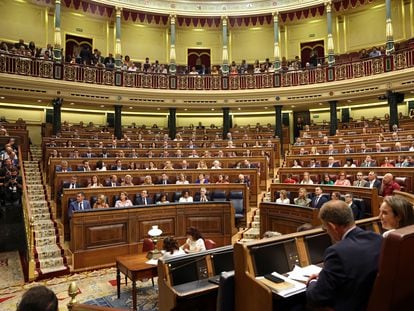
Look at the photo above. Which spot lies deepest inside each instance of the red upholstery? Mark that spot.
(210, 244)
(148, 245)
(393, 287)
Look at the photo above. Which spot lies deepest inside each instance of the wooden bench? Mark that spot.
(370, 196)
(99, 236)
(183, 281)
(404, 176)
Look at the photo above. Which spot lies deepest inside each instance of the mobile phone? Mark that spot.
(273, 278)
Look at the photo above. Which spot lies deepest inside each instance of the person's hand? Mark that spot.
(312, 277)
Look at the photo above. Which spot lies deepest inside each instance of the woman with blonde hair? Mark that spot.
(302, 199)
(101, 202)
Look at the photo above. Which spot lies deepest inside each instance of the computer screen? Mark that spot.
(316, 246)
(222, 261)
(188, 269)
(272, 257)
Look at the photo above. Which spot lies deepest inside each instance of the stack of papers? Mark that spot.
(285, 289)
(302, 274)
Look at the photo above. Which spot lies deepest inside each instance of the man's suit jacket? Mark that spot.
(349, 272)
(377, 184)
(66, 185)
(161, 182)
(140, 201)
(321, 201)
(109, 184)
(363, 183)
(371, 164)
(335, 164)
(74, 206)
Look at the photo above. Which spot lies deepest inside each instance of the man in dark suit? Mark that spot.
(313, 163)
(319, 199)
(89, 154)
(73, 184)
(113, 182)
(350, 265)
(79, 205)
(373, 181)
(144, 199)
(349, 200)
(84, 167)
(164, 180)
(332, 163)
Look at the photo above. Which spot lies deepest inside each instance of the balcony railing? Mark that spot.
(13, 64)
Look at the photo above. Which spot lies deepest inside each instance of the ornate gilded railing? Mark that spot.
(13, 64)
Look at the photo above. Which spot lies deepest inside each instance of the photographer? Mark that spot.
(13, 186)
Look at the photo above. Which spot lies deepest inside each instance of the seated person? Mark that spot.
(202, 179)
(101, 202)
(95, 183)
(283, 197)
(194, 242)
(171, 249)
(289, 180)
(163, 199)
(185, 197)
(143, 199)
(296, 164)
(302, 199)
(335, 195)
(349, 162)
(203, 195)
(123, 200)
(349, 199)
(342, 180)
(127, 181)
(306, 179)
(148, 181)
(182, 180)
(79, 205)
(395, 212)
(327, 180)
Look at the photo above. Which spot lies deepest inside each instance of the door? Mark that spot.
(306, 49)
(73, 45)
(197, 58)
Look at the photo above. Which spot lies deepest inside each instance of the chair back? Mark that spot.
(148, 245)
(225, 296)
(393, 287)
(209, 244)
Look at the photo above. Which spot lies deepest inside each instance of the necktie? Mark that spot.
(316, 201)
(81, 206)
(72, 186)
(358, 184)
(145, 201)
(113, 184)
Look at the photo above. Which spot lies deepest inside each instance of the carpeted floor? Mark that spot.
(11, 273)
(95, 287)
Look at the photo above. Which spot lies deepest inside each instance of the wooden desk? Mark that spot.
(135, 268)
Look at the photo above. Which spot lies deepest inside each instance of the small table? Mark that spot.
(135, 268)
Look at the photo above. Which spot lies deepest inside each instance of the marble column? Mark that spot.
(276, 48)
(331, 49)
(225, 65)
(57, 108)
(226, 122)
(389, 46)
(172, 66)
(278, 127)
(172, 123)
(118, 121)
(334, 118)
(118, 49)
(57, 49)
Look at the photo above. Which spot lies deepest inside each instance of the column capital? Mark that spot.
(328, 5)
(224, 20)
(57, 2)
(172, 18)
(275, 15)
(118, 10)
